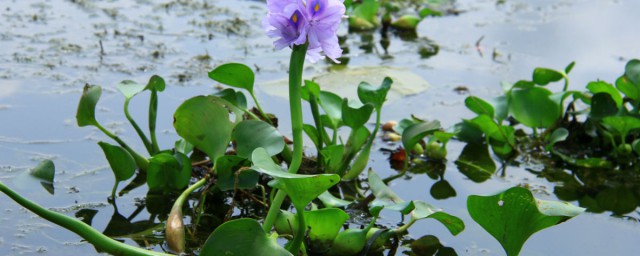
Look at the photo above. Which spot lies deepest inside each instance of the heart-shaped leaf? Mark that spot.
(252, 134)
(242, 237)
(204, 122)
(355, 117)
(234, 74)
(514, 215)
(603, 87)
(372, 95)
(544, 76)
(300, 188)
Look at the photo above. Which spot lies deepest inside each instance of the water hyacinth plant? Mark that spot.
(226, 148)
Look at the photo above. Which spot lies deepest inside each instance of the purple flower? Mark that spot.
(296, 22)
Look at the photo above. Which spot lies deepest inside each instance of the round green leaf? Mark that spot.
(442, 190)
(628, 88)
(632, 71)
(204, 122)
(513, 216)
(602, 105)
(533, 107)
(234, 74)
(86, 114)
(234, 97)
(122, 163)
(252, 134)
(355, 117)
(156, 83)
(603, 87)
(242, 237)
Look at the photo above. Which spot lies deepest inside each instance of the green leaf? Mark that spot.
(332, 156)
(122, 163)
(414, 133)
(331, 201)
(252, 134)
(424, 210)
(533, 107)
(234, 97)
(365, 15)
(569, 67)
(168, 172)
(45, 171)
(226, 168)
(544, 76)
(324, 225)
(332, 106)
(156, 83)
(628, 88)
(479, 106)
(428, 12)
(475, 162)
(501, 106)
(372, 95)
(301, 189)
(385, 197)
(558, 135)
(602, 87)
(602, 105)
(183, 146)
(242, 237)
(622, 125)
(636, 146)
(310, 89)
(86, 114)
(442, 190)
(513, 216)
(355, 117)
(129, 88)
(204, 122)
(234, 74)
(632, 71)
(406, 22)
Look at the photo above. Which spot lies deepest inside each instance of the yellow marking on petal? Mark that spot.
(294, 18)
(316, 8)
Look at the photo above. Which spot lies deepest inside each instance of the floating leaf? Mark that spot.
(533, 107)
(204, 122)
(44, 171)
(406, 22)
(479, 106)
(475, 162)
(544, 76)
(241, 237)
(513, 216)
(234, 74)
(129, 88)
(365, 15)
(86, 114)
(301, 189)
(252, 134)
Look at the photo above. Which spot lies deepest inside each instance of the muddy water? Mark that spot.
(50, 49)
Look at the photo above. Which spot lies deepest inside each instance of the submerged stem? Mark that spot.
(97, 239)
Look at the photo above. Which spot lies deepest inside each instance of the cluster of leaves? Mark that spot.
(402, 15)
(597, 129)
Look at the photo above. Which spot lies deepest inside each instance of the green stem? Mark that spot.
(153, 112)
(97, 239)
(266, 118)
(294, 248)
(296, 65)
(143, 137)
(319, 127)
(113, 191)
(141, 162)
(185, 194)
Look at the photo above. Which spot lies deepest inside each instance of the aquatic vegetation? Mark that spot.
(226, 148)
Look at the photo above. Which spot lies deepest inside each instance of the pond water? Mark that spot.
(51, 48)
